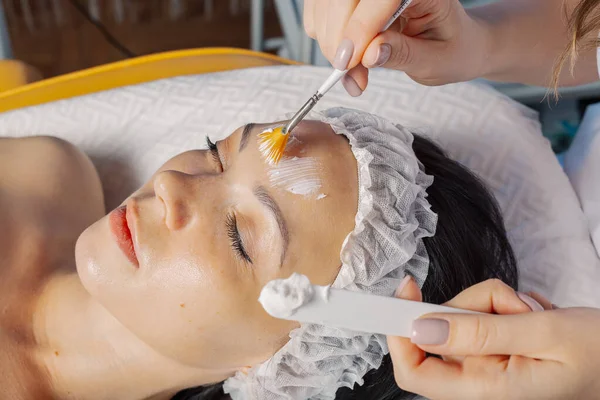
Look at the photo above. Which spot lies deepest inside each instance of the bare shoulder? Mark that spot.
(45, 166)
(49, 168)
(49, 193)
(48, 189)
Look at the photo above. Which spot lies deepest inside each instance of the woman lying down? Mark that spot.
(158, 299)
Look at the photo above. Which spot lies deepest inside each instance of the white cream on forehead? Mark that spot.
(297, 175)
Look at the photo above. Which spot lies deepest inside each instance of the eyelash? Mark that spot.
(236, 240)
(214, 151)
(232, 228)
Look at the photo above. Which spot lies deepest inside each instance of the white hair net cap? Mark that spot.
(386, 244)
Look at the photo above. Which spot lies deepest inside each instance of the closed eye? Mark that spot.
(214, 151)
(236, 240)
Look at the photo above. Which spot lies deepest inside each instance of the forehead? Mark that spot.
(314, 143)
(309, 139)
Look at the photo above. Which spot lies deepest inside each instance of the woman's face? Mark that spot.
(208, 231)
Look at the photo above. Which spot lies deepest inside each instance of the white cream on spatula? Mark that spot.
(282, 297)
(296, 299)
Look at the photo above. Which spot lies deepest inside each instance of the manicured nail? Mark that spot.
(531, 302)
(430, 331)
(402, 285)
(351, 86)
(343, 54)
(383, 55)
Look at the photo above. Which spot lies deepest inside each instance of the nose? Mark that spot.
(174, 190)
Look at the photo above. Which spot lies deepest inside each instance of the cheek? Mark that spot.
(204, 319)
(175, 305)
(194, 311)
(177, 309)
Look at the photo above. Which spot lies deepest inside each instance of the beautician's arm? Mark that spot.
(525, 38)
(438, 41)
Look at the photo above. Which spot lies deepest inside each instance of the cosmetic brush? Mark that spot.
(272, 142)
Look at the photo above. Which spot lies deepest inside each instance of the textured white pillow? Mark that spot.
(129, 132)
(582, 164)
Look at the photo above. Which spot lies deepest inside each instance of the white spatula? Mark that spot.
(296, 299)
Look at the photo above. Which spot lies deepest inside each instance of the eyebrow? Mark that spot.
(263, 196)
(245, 136)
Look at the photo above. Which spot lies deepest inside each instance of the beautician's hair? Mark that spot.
(583, 27)
(470, 246)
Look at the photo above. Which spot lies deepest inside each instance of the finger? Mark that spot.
(338, 15)
(417, 26)
(528, 334)
(408, 54)
(409, 290)
(309, 18)
(490, 377)
(544, 302)
(320, 17)
(405, 355)
(491, 296)
(435, 378)
(423, 8)
(367, 20)
(356, 80)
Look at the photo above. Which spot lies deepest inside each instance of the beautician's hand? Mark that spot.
(434, 41)
(552, 354)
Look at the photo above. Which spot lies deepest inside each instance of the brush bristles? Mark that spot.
(271, 144)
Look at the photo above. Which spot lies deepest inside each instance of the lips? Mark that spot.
(120, 228)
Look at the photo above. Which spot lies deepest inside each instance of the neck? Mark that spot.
(89, 355)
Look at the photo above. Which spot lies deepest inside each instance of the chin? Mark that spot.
(86, 261)
(97, 261)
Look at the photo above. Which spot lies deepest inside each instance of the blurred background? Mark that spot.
(61, 36)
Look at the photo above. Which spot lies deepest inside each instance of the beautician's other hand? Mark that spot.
(434, 41)
(551, 354)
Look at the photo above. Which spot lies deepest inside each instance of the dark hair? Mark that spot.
(470, 246)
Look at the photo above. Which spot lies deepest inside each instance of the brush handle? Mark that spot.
(338, 74)
(334, 78)
(362, 312)
(400, 10)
